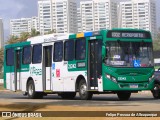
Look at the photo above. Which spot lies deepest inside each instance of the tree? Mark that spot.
(24, 36)
(12, 39)
(34, 33)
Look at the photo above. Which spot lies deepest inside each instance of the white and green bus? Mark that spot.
(116, 61)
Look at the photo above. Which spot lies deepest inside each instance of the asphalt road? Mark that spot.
(138, 101)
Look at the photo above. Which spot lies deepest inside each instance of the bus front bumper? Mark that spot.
(122, 86)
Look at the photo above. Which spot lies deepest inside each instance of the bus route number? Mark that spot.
(116, 34)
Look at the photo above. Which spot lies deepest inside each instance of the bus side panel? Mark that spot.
(70, 79)
(74, 69)
(8, 75)
(36, 74)
(24, 78)
(10, 79)
(64, 79)
(57, 76)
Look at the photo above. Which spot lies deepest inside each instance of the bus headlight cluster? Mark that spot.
(111, 78)
(151, 78)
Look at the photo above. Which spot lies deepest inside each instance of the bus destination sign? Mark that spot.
(128, 34)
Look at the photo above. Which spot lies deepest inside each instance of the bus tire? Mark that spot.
(123, 95)
(156, 91)
(31, 91)
(67, 95)
(83, 92)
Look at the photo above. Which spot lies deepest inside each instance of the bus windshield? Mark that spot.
(129, 54)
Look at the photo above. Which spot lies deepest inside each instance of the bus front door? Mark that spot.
(17, 70)
(94, 63)
(47, 62)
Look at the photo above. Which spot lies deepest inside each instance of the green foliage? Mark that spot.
(23, 37)
(34, 33)
(12, 39)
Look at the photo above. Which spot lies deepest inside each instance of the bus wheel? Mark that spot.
(123, 95)
(31, 91)
(156, 91)
(83, 92)
(67, 95)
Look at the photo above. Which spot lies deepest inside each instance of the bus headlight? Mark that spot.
(108, 76)
(151, 78)
(114, 79)
(111, 78)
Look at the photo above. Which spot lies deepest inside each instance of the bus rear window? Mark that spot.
(10, 57)
(27, 54)
(37, 54)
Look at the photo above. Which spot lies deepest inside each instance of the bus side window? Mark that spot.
(10, 57)
(37, 54)
(69, 50)
(80, 49)
(58, 52)
(27, 55)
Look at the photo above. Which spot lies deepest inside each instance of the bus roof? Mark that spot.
(49, 38)
(94, 33)
(64, 36)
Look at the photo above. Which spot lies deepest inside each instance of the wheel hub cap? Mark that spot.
(83, 89)
(30, 90)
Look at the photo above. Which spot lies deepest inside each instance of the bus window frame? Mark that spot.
(30, 55)
(73, 50)
(83, 38)
(12, 59)
(55, 52)
(33, 54)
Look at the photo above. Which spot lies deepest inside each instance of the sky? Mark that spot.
(14, 9)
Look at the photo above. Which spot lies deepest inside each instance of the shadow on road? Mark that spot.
(102, 97)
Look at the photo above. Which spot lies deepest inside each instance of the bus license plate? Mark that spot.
(133, 86)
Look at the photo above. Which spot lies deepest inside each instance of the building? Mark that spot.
(44, 15)
(58, 15)
(79, 24)
(140, 14)
(98, 14)
(17, 26)
(34, 24)
(1, 33)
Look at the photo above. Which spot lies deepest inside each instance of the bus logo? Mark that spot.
(35, 71)
(71, 66)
